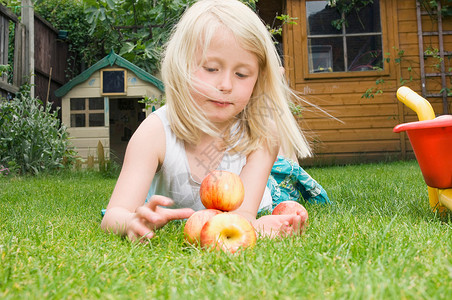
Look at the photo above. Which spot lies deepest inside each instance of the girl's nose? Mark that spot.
(225, 83)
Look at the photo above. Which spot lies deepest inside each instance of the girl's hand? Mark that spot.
(152, 216)
(281, 225)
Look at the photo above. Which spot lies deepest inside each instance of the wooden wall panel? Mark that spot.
(405, 5)
(357, 146)
(85, 141)
(363, 128)
(359, 134)
(325, 123)
(360, 111)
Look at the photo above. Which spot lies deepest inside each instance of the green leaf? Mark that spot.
(92, 15)
(91, 3)
(127, 48)
(111, 4)
(101, 14)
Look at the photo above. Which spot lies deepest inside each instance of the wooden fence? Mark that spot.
(50, 61)
(41, 61)
(12, 31)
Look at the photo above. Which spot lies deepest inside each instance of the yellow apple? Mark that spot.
(228, 232)
(222, 190)
(194, 224)
(289, 208)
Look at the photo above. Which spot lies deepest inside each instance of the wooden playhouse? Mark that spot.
(102, 104)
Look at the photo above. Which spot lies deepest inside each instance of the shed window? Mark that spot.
(87, 112)
(352, 45)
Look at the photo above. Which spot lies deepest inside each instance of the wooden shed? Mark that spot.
(102, 104)
(352, 71)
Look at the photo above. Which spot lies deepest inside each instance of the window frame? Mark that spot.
(124, 92)
(344, 74)
(87, 112)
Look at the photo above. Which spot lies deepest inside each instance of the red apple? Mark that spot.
(288, 208)
(222, 190)
(228, 232)
(194, 224)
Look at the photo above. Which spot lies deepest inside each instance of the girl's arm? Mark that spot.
(126, 213)
(254, 176)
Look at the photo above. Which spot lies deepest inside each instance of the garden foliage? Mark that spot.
(135, 29)
(32, 139)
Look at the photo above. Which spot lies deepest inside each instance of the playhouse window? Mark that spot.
(113, 81)
(87, 112)
(352, 45)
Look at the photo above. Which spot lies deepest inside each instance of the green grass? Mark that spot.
(378, 241)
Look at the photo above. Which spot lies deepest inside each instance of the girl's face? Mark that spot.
(224, 80)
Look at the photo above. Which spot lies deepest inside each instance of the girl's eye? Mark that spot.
(208, 69)
(241, 75)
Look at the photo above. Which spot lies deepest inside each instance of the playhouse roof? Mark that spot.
(109, 60)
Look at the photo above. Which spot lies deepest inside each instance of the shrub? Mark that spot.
(32, 139)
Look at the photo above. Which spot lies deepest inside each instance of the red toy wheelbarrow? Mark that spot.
(431, 139)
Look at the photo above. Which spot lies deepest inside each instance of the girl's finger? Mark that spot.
(285, 229)
(137, 231)
(177, 214)
(297, 224)
(151, 219)
(304, 221)
(158, 200)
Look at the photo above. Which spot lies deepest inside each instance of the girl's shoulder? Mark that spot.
(153, 122)
(161, 113)
(149, 138)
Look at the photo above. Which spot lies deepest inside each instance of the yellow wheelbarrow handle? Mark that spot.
(421, 106)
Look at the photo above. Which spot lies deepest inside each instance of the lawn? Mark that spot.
(379, 240)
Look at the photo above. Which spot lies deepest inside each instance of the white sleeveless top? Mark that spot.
(174, 179)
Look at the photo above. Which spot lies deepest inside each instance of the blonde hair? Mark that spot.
(269, 103)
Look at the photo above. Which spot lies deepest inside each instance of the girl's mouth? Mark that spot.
(221, 103)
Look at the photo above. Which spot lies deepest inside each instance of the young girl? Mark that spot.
(227, 108)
